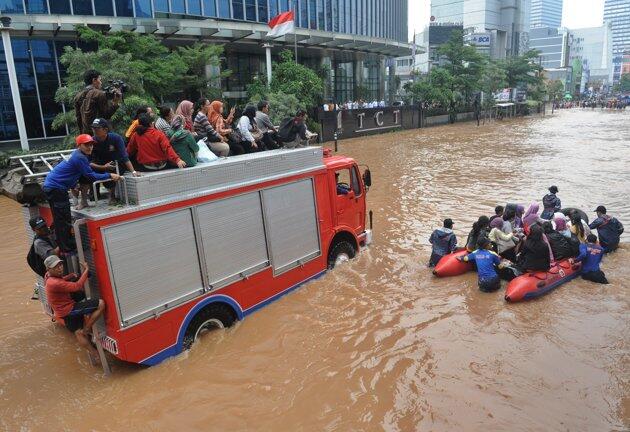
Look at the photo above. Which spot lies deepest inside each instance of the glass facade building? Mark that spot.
(355, 36)
(617, 13)
(546, 13)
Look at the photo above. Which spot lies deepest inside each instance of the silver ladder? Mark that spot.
(38, 165)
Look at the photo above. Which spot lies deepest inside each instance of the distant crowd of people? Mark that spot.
(358, 104)
(612, 104)
(516, 240)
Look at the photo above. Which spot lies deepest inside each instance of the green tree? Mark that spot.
(523, 70)
(197, 58)
(281, 105)
(555, 89)
(291, 78)
(464, 63)
(162, 71)
(624, 83)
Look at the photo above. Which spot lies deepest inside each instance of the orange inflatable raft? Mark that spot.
(534, 284)
(449, 265)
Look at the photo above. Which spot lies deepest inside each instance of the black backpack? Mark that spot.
(35, 262)
(285, 130)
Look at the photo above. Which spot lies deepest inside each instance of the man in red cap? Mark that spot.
(64, 177)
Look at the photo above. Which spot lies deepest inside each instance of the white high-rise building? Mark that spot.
(498, 27)
(617, 12)
(546, 13)
(593, 48)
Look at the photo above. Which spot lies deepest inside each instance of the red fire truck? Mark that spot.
(205, 246)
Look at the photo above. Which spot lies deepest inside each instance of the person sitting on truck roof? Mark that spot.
(108, 151)
(65, 176)
(152, 149)
(59, 290)
(266, 127)
(217, 143)
(247, 127)
(183, 142)
(135, 121)
(293, 132)
(186, 109)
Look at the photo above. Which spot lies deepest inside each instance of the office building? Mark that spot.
(553, 45)
(355, 38)
(500, 28)
(617, 13)
(546, 13)
(593, 49)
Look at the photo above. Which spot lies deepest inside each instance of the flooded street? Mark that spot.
(379, 343)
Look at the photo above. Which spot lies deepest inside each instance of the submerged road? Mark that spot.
(379, 343)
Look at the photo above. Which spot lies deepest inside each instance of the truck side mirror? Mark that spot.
(367, 177)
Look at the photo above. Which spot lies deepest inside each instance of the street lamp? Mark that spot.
(5, 29)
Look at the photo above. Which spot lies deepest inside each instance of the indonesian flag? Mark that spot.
(282, 24)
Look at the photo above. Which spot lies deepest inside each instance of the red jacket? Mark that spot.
(152, 147)
(58, 292)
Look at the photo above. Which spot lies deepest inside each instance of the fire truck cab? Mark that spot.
(205, 246)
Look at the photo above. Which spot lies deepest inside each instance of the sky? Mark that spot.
(575, 14)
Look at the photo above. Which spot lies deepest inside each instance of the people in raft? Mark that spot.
(608, 228)
(591, 256)
(551, 203)
(444, 242)
(77, 315)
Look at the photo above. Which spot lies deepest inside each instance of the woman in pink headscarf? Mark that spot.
(185, 109)
(531, 216)
(561, 226)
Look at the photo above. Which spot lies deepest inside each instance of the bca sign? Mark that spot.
(479, 39)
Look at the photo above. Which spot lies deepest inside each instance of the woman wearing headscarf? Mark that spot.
(152, 149)
(579, 227)
(518, 217)
(185, 109)
(534, 254)
(182, 141)
(505, 242)
(215, 117)
(561, 226)
(531, 216)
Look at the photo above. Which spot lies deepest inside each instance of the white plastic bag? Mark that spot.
(205, 154)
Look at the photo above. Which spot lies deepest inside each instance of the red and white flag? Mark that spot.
(282, 24)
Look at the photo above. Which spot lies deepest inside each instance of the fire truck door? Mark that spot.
(348, 205)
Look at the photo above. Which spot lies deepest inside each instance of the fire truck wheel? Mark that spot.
(213, 316)
(341, 252)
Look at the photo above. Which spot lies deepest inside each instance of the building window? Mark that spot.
(11, 6)
(82, 7)
(329, 15)
(43, 52)
(59, 6)
(124, 8)
(104, 8)
(262, 11)
(28, 88)
(303, 18)
(250, 10)
(237, 9)
(8, 124)
(320, 14)
(224, 9)
(143, 8)
(343, 82)
(194, 7)
(178, 6)
(312, 7)
(284, 5)
(35, 6)
(161, 5)
(209, 8)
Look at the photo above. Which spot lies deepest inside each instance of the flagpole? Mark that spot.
(295, 12)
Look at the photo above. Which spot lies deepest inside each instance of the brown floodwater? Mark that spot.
(379, 343)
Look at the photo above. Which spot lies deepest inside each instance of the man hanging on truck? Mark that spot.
(77, 316)
(65, 176)
(43, 246)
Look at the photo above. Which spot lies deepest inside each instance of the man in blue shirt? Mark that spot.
(109, 148)
(64, 177)
(591, 255)
(608, 228)
(486, 260)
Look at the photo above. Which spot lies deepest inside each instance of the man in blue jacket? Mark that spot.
(608, 228)
(64, 177)
(443, 241)
(591, 256)
(487, 261)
